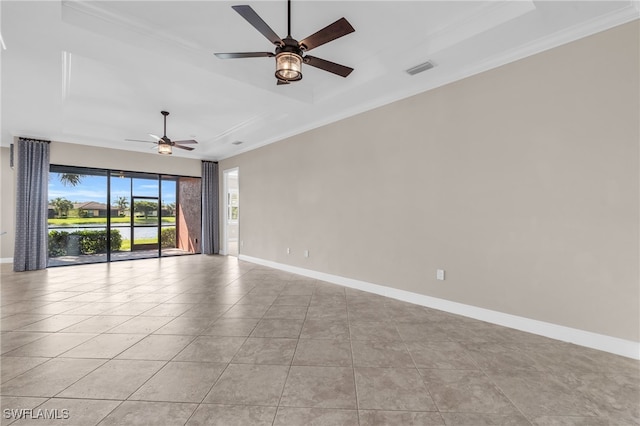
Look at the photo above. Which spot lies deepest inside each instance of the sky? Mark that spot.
(94, 188)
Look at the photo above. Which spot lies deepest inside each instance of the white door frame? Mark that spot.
(225, 207)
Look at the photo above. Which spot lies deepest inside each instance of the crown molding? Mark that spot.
(624, 15)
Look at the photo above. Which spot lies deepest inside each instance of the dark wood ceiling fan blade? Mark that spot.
(139, 140)
(325, 65)
(254, 19)
(244, 55)
(188, 148)
(281, 82)
(340, 28)
(186, 142)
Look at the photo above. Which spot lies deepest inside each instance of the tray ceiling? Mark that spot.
(98, 72)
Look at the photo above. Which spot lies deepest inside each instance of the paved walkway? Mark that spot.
(115, 256)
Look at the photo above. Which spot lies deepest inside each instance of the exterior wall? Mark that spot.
(189, 226)
(521, 182)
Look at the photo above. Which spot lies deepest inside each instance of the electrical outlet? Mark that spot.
(306, 253)
(241, 243)
(440, 274)
(288, 250)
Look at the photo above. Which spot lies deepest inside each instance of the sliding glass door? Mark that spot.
(144, 217)
(120, 196)
(144, 224)
(109, 215)
(78, 215)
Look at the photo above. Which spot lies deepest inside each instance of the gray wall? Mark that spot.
(7, 205)
(521, 182)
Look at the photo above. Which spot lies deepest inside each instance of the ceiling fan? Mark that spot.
(290, 53)
(165, 144)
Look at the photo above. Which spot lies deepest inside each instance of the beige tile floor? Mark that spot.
(209, 340)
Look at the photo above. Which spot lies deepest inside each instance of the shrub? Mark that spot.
(168, 237)
(116, 240)
(58, 243)
(96, 241)
(90, 242)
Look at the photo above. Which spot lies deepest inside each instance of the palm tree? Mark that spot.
(62, 206)
(123, 204)
(170, 208)
(70, 179)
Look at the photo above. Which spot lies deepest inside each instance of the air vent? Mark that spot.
(236, 143)
(419, 68)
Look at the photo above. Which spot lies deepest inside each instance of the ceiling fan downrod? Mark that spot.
(288, 18)
(165, 113)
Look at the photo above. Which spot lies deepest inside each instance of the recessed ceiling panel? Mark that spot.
(97, 72)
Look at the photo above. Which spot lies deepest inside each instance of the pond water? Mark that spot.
(141, 232)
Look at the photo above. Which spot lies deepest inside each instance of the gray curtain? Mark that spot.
(210, 212)
(30, 250)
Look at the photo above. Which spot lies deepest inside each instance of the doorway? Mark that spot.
(144, 223)
(231, 223)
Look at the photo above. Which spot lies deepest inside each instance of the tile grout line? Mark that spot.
(426, 387)
(353, 364)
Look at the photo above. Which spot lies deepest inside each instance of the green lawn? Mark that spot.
(126, 244)
(74, 221)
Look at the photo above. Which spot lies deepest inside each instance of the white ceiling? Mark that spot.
(98, 72)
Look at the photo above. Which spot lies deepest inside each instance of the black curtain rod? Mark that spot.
(32, 140)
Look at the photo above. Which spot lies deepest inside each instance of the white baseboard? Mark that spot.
(626, 348)
(6, 259)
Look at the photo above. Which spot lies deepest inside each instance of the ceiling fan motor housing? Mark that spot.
(289, 60)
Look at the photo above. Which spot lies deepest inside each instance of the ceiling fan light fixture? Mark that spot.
(165, 145)
(288, 66)
(164, 149)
